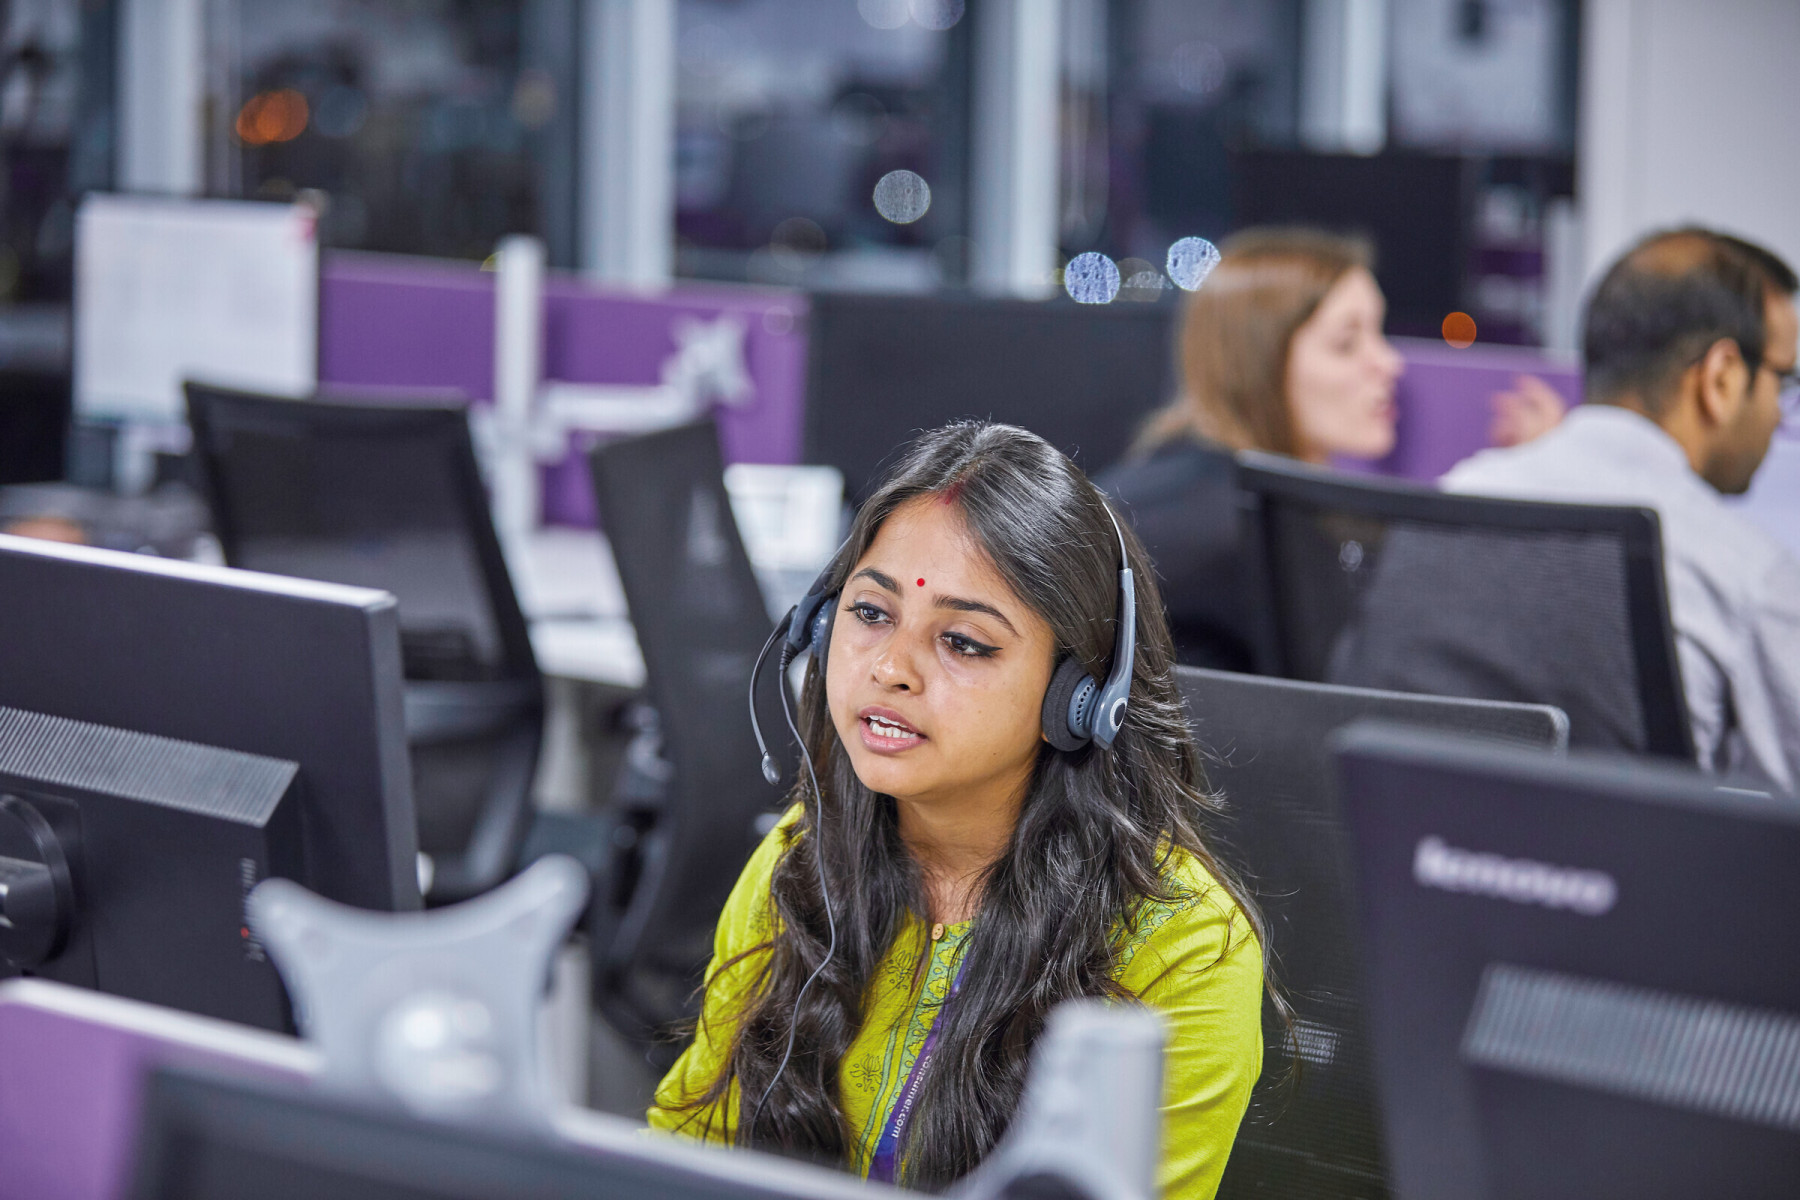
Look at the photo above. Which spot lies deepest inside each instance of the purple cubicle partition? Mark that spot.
(72, 1064)
(1445, 402)
(393, 321)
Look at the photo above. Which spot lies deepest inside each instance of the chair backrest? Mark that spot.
(700, 622)
(1395, 586)
(380, 494)
(1265, 739)
(386, 493)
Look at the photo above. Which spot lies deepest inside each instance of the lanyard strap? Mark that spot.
(887, 1149)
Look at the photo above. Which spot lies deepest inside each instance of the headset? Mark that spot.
(1078, 709)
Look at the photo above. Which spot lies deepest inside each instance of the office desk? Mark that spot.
(570, 591)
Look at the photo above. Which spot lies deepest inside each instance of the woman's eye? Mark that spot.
(966, 646)
(868, 614)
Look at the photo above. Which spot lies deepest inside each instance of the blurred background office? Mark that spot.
(824, 224)
(1497, 150)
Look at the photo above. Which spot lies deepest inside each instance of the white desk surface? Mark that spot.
(570, 591)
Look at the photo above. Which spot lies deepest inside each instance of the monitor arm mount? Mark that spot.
(436, 1012)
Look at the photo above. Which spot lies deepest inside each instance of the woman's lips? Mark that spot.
(885, 732)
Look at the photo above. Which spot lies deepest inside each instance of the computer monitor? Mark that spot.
(881, 368)
(1579, 972)
(126, 864)
(209, 1138)
(285, 668)
(1410, 206)
(170, 289)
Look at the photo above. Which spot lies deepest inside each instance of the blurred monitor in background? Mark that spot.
(1281, 351)
(880, 368)
(1689, 362)
(1408, 208)
(168, 290)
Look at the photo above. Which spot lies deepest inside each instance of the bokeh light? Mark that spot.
(1459, 330)
(1199, 68)
(902, 197)
(883, 14)
(1091, 278)
(937, 14)
(268, 117)
(1190, 261)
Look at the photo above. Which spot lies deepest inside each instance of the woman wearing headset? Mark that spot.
(956, 874)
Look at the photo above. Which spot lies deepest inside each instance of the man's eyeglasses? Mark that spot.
(1787, 384)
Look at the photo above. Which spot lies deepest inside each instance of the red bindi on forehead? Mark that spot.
(921, 583)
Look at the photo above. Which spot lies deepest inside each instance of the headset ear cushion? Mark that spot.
(818, 638)
(1069, 678)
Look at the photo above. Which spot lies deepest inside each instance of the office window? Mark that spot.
(56, 78)
(1190, 125)
(429, 126)
(791, 114)
(1150, 125)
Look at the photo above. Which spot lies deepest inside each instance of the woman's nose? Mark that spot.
(1389, 361)
(894, 668)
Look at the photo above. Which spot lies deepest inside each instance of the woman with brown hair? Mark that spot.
(1281, 351)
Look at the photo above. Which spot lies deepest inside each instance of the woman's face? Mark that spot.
(1341, 373)
(937, 671)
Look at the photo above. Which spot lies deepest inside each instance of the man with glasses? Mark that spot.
(1688, 351)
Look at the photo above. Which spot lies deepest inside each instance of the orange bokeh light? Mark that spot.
(1459, 330)
(278, 116)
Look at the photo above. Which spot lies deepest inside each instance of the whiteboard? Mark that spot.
(225, 291)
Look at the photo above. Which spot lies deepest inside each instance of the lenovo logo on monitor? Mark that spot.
(1520, 880)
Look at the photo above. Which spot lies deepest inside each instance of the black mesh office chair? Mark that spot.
(1388, 585)
(388, 495)
(700, 621)
(1317, 1137)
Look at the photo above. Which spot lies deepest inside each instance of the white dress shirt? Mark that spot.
(1734, 591)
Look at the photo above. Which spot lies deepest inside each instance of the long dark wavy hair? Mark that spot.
(1092, 843)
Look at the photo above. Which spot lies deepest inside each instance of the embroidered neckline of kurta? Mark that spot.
(904, 1039)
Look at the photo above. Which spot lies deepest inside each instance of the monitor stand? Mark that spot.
(437, 1010)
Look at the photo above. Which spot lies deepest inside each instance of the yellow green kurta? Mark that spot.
(1196, 962)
